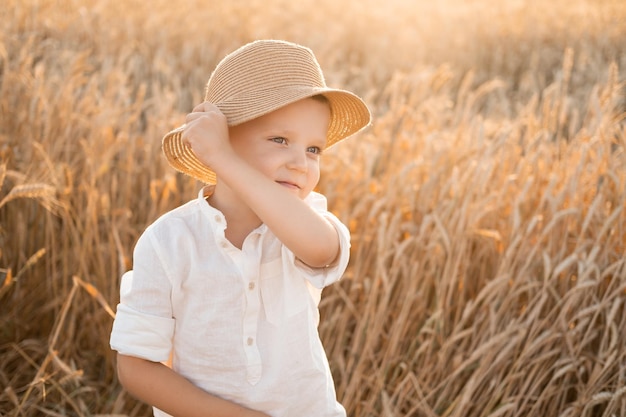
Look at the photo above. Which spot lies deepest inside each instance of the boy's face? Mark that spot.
(285, 144)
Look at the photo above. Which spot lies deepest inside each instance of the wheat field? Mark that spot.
(486, 201)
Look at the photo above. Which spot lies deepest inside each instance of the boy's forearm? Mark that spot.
(159, 386)
(308, 235)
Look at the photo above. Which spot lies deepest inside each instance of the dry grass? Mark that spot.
(488, 272)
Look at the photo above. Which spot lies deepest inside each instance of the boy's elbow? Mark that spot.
(328, 254)
(324, 257)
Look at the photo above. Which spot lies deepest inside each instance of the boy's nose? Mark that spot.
(297, 160)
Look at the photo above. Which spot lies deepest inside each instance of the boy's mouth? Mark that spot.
(288, 184)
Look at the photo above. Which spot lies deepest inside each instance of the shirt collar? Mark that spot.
(216, 217)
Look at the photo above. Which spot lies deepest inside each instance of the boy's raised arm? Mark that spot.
(307, 234)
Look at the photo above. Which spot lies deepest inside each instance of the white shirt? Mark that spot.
(240, 324)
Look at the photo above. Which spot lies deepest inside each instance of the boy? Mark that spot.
(227, 286)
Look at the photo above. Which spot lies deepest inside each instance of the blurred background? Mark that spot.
(486, 201)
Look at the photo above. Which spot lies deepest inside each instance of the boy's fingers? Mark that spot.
(193, 116)
(202, 110)
(198, 108)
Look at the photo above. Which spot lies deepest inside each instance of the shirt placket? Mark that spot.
(248, 261)
(250, 271)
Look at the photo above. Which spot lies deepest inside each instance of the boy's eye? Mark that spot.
(314, 149)
(280, 140)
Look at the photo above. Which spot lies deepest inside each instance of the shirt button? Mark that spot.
(251, 286)
(250, 341)
(224, 245)
(218, 219)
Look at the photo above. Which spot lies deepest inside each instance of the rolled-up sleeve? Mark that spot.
(144, 326)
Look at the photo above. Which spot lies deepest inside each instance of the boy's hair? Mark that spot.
(261, 77)
(321, 98)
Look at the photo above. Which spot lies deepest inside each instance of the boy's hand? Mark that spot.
(206, 133)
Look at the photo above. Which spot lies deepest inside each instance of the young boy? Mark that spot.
(226, 287)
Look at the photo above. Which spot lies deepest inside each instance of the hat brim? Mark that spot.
(349, 114)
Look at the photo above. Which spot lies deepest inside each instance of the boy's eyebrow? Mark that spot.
(318, 141)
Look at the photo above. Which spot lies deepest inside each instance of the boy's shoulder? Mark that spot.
(185, 214)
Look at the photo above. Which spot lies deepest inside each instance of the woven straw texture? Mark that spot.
(261, 77)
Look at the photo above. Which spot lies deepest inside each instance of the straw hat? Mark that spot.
(261, 77)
